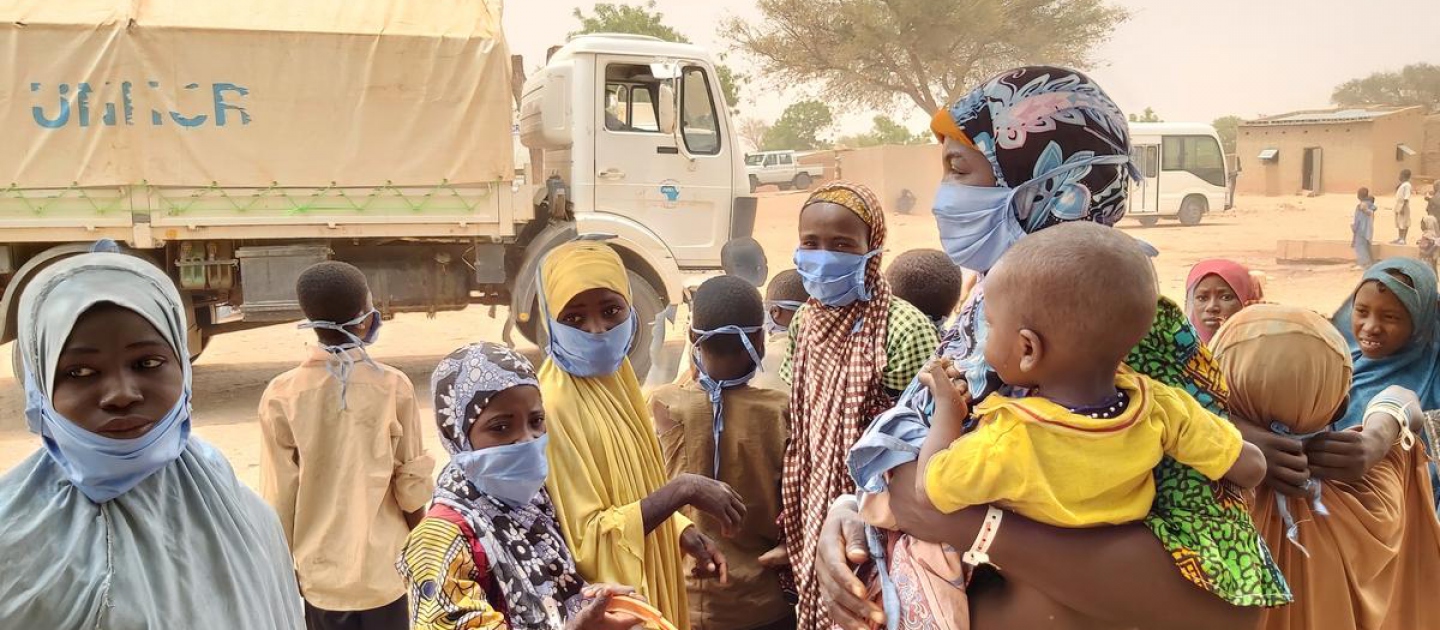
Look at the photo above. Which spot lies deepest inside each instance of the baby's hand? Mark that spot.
(947, 385)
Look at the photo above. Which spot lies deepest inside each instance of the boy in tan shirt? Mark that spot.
(716, 425)
(343, 464)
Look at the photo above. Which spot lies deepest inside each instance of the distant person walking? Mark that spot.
(1362, 228)
(1402, 206)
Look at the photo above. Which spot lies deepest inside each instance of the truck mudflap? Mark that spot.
(742, 217)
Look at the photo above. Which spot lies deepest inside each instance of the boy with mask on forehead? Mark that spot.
(719, 426)
(366, 477)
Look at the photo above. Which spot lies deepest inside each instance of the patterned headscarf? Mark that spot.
(836, 384)
(1033, 120)
(1028, 122)
(526, 551)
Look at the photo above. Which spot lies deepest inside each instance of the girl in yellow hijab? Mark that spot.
(616, 509)
(1361, 553)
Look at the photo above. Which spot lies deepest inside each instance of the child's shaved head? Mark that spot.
(1082, 287)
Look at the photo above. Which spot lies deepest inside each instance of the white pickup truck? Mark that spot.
(234, 146)
(780, 168)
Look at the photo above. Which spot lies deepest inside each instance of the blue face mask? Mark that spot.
(341, 364)
(716, 388)
(513, 473)
(773, 327)
(978, 224)
(585, 354)
(834, 278)
(103, 468)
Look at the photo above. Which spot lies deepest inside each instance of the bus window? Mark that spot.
(1198, 155)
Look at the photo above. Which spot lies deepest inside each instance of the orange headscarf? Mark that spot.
(1374, 559)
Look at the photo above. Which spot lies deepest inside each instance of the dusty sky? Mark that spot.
(1191, 60)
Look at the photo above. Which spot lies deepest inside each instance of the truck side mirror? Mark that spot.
(667, 109)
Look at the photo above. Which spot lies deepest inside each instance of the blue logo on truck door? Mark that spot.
(671, 191)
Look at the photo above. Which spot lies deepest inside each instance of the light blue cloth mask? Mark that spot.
(716, 388)
(773, 327)
(343, 356)
(513, 473)
(834, 278)
(979, 224)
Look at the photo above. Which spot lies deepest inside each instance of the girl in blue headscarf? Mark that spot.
(1391, 325)
(122, 519)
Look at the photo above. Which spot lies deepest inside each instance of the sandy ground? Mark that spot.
(231, 377)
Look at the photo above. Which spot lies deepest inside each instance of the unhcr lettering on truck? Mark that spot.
(75, 104)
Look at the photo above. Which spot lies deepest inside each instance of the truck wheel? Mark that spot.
(754, 183)
(802, 181)
(1192, 210)
(1148, 221)
(648, 306)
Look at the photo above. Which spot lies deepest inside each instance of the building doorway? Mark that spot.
(1312, 168)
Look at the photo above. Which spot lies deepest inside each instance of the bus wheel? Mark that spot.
(1148, 221)
(1192, 210)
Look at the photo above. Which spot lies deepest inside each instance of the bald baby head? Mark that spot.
(1088, 290)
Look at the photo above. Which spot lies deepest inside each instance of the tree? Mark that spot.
(645, 20)
(753, 131)
(800, 127)
(1415, 84)
(866, 54)
(1228, 127)
(885, 131)
(1149, 116)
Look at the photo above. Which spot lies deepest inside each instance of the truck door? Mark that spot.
(678, 185)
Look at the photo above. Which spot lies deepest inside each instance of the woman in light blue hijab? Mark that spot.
(123, 520)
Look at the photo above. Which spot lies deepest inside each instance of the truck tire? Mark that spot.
(648, 305)
(802, 181)
(1192, 210)
(754, 183)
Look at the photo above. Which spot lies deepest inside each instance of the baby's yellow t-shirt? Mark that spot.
(1051, 465)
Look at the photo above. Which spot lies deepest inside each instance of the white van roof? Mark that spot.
(1170, 129)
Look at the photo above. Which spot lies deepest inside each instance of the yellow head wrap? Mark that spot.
(577, 267)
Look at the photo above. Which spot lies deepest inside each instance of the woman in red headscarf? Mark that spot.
(1215, 291)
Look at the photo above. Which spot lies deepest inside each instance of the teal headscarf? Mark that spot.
(1417, 366)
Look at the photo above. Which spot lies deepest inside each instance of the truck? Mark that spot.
(780, 168)
(233, 145)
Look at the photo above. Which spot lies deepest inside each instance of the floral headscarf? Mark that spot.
(527, 554)
(1033, 120)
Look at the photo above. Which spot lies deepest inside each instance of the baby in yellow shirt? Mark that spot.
(1063, 308)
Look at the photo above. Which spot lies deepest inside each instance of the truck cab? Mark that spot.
(638, 131)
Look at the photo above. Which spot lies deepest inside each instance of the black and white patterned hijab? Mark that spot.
(525, 551)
